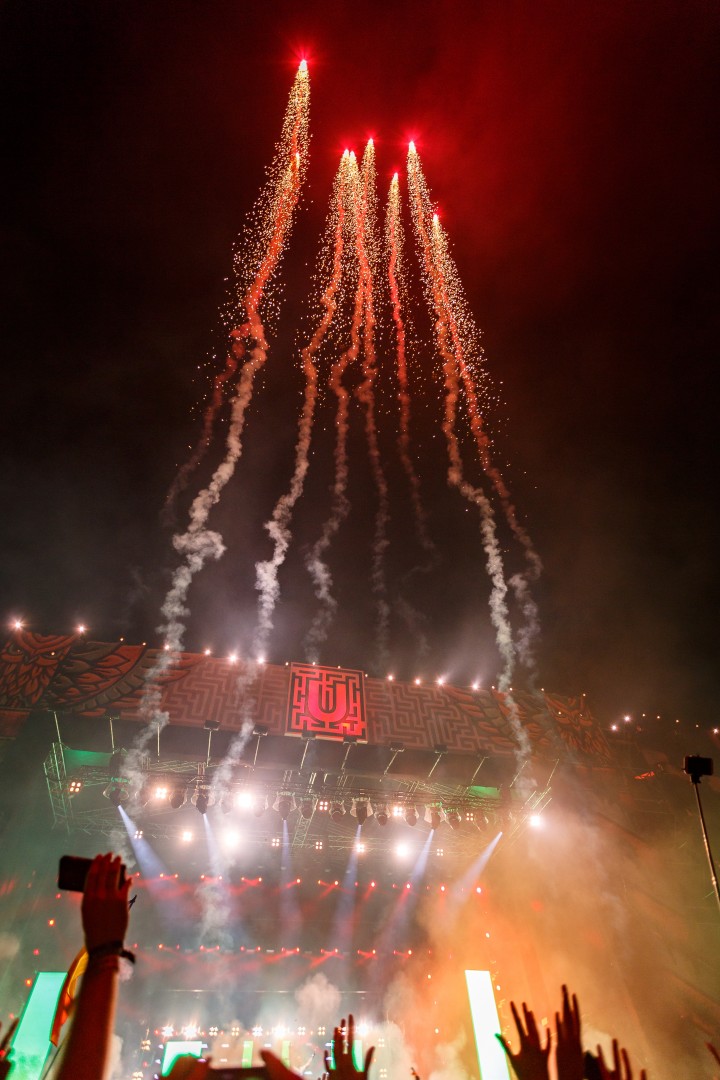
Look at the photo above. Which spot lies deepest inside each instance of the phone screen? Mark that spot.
(73, 870)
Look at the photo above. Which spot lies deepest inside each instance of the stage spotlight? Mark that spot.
(397, 810)
(535, 821)
(178, 795)
(201, 801)
(307, 807)
(337, 813)
(116, 793)
(244, 800)
(160, 793)
(361, 810)
(74, 787)
(284, 804)
(231, 838)
(381, 813)
(433, 816)
(360, 847)
(186, 836)
(411, 815)
(401, 850)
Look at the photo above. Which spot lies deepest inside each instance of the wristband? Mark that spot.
(112, 948)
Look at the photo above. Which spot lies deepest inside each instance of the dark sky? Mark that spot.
(572, 149)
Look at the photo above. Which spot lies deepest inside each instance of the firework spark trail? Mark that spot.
(236, 353)
(315, 559)
(498, 606)
(451, 298)
(198, 544)
(366, 248)
(279, 525)
(395, 242)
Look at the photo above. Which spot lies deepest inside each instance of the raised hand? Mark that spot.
(621, 1065)
(277, 1069)
(531, 1060)
(343, 1041)
(569, 1055)
(105, 911)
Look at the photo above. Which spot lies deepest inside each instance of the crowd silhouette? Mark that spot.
(85, 1053)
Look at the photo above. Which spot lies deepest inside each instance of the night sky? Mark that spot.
(571, 148)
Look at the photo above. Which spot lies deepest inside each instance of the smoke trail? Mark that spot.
(315, 559)
(499, 614)
(366, 248)
(395, 242)
(182, 479)
(274, 213)
(279, 525)
(445, 292)
(217, 919)
(453, 301)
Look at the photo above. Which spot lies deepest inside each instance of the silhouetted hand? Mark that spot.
(105, 911)
(531, 1060)
(277, 1069)
(187, 1067)
(621, 1065)
(569, 1055)
(343, 1041)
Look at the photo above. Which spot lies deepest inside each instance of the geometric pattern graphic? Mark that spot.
(91, 678)
(327, 702)
(580, 736)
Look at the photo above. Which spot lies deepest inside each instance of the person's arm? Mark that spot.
(569, 1055)
(105, 912)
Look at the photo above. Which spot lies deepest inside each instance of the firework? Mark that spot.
(365, 240)
(279, 524)
(274, 217)
(315, 561)
(395, 243)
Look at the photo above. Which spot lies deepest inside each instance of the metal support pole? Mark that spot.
(713, 871)
(60, 743)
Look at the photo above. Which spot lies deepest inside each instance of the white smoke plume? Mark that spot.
(9, 945)
(319, 1001)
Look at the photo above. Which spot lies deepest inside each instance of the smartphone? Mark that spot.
(73, 871)
(253, 1072)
